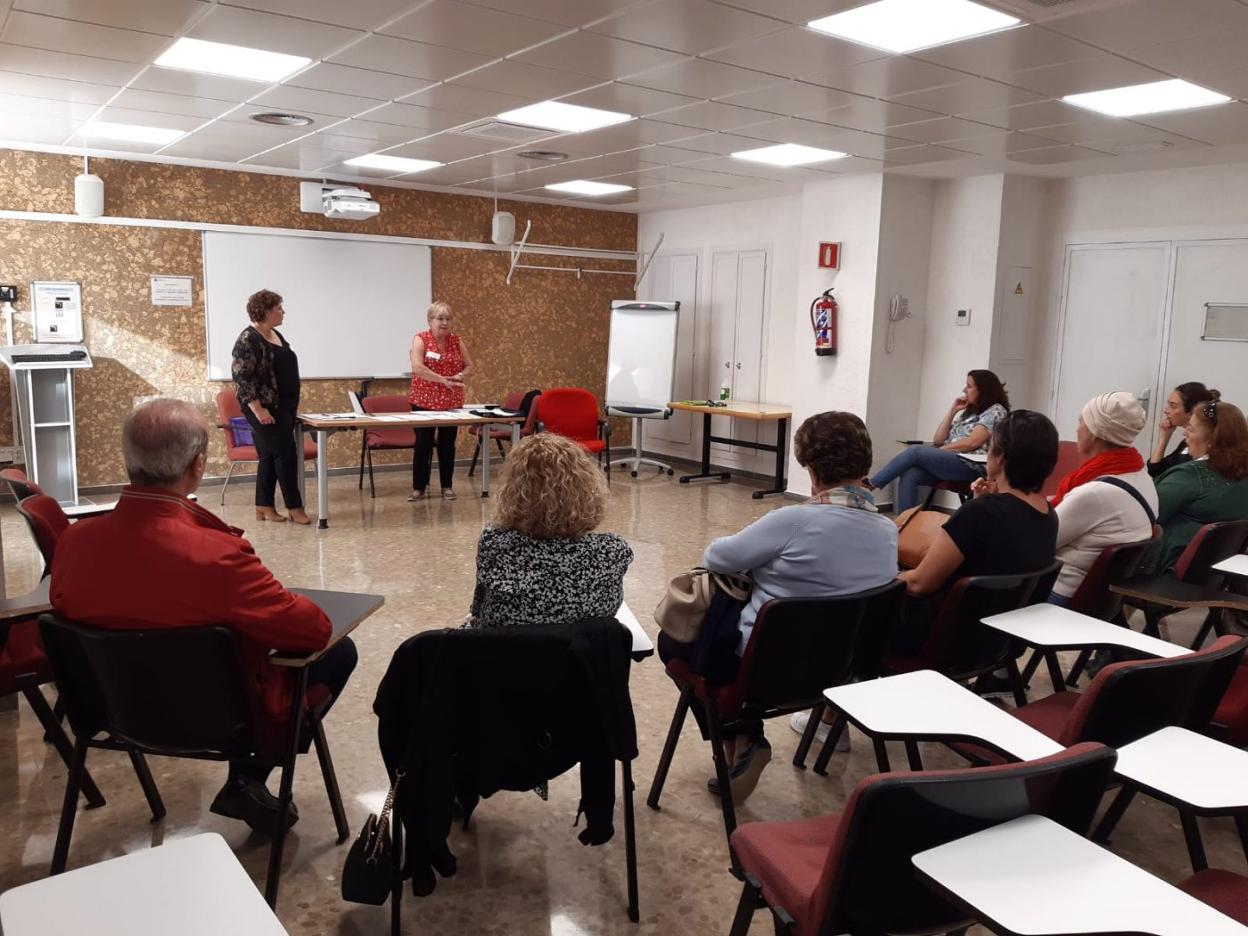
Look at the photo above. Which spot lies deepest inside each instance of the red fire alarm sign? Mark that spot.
(829, 255)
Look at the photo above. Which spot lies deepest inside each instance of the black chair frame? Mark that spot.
(99, 672)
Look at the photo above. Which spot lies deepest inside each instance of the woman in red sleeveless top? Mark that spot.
(440, 365)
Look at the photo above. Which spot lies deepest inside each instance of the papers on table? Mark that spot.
(330, 415)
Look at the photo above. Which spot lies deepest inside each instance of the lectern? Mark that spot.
(43, 382)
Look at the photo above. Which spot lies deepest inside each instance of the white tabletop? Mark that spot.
(1036, 877)
(979, 458)
(1236, 565)
(641, 640)
(1048, 626)
(1187, 767)
(193, 887)
(925, 704)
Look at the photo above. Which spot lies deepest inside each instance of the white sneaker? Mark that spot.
(800, 720)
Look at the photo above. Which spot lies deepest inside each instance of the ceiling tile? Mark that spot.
(812, 133)
(566, 12)
(472, 102)
(404, 57)
(793, 98)
(1095, 74)
(966, 96)
(1208, 59)
(1027, 116)
(472, 28)
(447, 147)
(204, 108)
(943, 129)
(626, 136)
(300, 100)
(703, 79)
(893, 76)
(1125, 27)
(927, 153)
(361, 82)
(671, 154)
(709, 115)
(760, 171)
(123, 115)
(164, 18)
(722, 143)
(703, 176)
(1102, 131)
(194, 84)
(46, 32)
(628, 99)
(453, 174)
(506, 184)
(794, 11)
(62, 65)
(1002, 144)
(231, 141)
(689, 26)
(999, 55)
(1056, 154)
(365, 136)
(589, 53)
(797, 52)
(531, 81)
(428, 119)
(871, 114)
(57, 89)
(16, 105)
(1164, 143)
(271, 32)
(495, 164)
(243, 115)
(47, 130)
(612, 164)
(1221, 125)
(301, 156)
(357, 14)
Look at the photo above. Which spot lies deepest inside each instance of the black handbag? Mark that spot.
(368, 874)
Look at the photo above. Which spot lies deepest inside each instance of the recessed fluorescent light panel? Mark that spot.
(1156, 97)
(391, 163)
(583, 187)
(566, 118)
(789, 154)
(130, 133)
(907, 25)
(220, 58)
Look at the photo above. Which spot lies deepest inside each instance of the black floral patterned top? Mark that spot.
(523, 580)
(252, 369)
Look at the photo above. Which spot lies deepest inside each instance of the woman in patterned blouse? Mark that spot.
(540, 562)
(966, 429)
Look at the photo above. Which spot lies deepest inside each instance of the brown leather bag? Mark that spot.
(917, 531)
(683, 608)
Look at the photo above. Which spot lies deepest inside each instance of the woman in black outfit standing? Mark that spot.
(266, 379)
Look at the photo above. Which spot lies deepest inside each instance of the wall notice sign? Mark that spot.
(58, 311)
(171, 290)
(829, 255)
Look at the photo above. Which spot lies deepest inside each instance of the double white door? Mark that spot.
(738, 328)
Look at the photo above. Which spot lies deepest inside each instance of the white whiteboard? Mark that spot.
(641, 357)
(352, 306)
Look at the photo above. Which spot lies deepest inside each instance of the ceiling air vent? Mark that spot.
(505, 132)
(551, 156)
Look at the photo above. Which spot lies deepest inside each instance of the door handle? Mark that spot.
(738, 365)
(1145, 398)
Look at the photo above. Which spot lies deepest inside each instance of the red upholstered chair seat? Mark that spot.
(377, 439)
(23, 656)
(728, 699)
(1232, 713)
(1225, 891)
(242, 453)
(789, 859)
(593, 446)
(1051, 715)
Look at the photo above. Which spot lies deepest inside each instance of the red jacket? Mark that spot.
(162, 561)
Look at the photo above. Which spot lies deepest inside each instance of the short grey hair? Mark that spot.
(161, 439)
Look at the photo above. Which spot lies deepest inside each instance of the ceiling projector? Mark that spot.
(349, 202)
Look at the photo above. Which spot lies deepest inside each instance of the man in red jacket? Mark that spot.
(161, 561)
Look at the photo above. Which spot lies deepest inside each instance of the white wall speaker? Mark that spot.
(503, 228)
(89, 195)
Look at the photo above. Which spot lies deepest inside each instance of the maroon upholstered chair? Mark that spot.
(228, 408)
(514, 402)
(1068, 459)
(1225, 891)
(46, 521)
(573, 412)
(19, 485)
(850, 872)
(383, 440)
(1230, 719)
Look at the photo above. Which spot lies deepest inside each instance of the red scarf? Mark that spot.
(1114, 462)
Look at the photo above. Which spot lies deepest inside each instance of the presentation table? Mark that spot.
(758, 412)
(927, 706)
(193, 887)
(1033, 877)
(326, 424)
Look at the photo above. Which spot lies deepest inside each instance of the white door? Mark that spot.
(1113, 314)
(738, 313)
(674, 276)
(1210, 272)
(723, 337)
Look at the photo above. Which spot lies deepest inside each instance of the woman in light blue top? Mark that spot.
(965, 430)
(835, 543)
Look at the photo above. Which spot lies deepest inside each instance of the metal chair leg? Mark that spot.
(1113, 815)
(396, 883)
(721, 776)
(502, 452)
(913, 758)
(476, 453)
(630, 840)
(881, 756)
(1072, 679)
(69, 807)
(363, 449)
(808, 736)
(148, 783)
(1195, 847)
(746, 907)
(58, 739)
(229, 470)
(829, 746)
(1055, 671)
(274, 876)
(1016, 683)
(669, 747)
(331, 780)
(372, 485)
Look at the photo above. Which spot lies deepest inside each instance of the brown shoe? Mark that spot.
(448, 494)
(269, 513)
(300, 516)
(415, 496)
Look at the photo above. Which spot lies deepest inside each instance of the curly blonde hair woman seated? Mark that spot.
(540, 562)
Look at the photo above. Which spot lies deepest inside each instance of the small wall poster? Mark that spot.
(58, 311)
(171, 290)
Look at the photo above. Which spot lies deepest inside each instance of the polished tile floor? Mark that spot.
(521, 869)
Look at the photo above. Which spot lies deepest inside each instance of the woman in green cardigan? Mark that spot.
(1212, 487)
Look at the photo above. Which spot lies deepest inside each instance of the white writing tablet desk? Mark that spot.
(1033, 877)
(1050, 627)
(1236, 565)
(643, 646)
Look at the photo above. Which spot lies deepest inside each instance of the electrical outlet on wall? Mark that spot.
(963, 317)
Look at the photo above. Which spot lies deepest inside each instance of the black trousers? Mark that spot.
(281, 455)
(422, 458)
(331, 671)
(723, 669)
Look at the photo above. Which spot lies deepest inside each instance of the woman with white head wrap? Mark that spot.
(1109, 499)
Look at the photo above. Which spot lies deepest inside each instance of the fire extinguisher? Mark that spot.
(823, 321)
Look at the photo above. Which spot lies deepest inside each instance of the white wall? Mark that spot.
(1022, 208)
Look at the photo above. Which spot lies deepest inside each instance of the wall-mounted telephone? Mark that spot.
(898, 309)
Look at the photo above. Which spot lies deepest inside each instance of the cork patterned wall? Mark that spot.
(546, 329)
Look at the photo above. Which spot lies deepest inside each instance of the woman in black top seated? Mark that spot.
(1176, 414)
(1008, 528)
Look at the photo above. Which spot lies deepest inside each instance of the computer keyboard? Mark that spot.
(48, 358)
